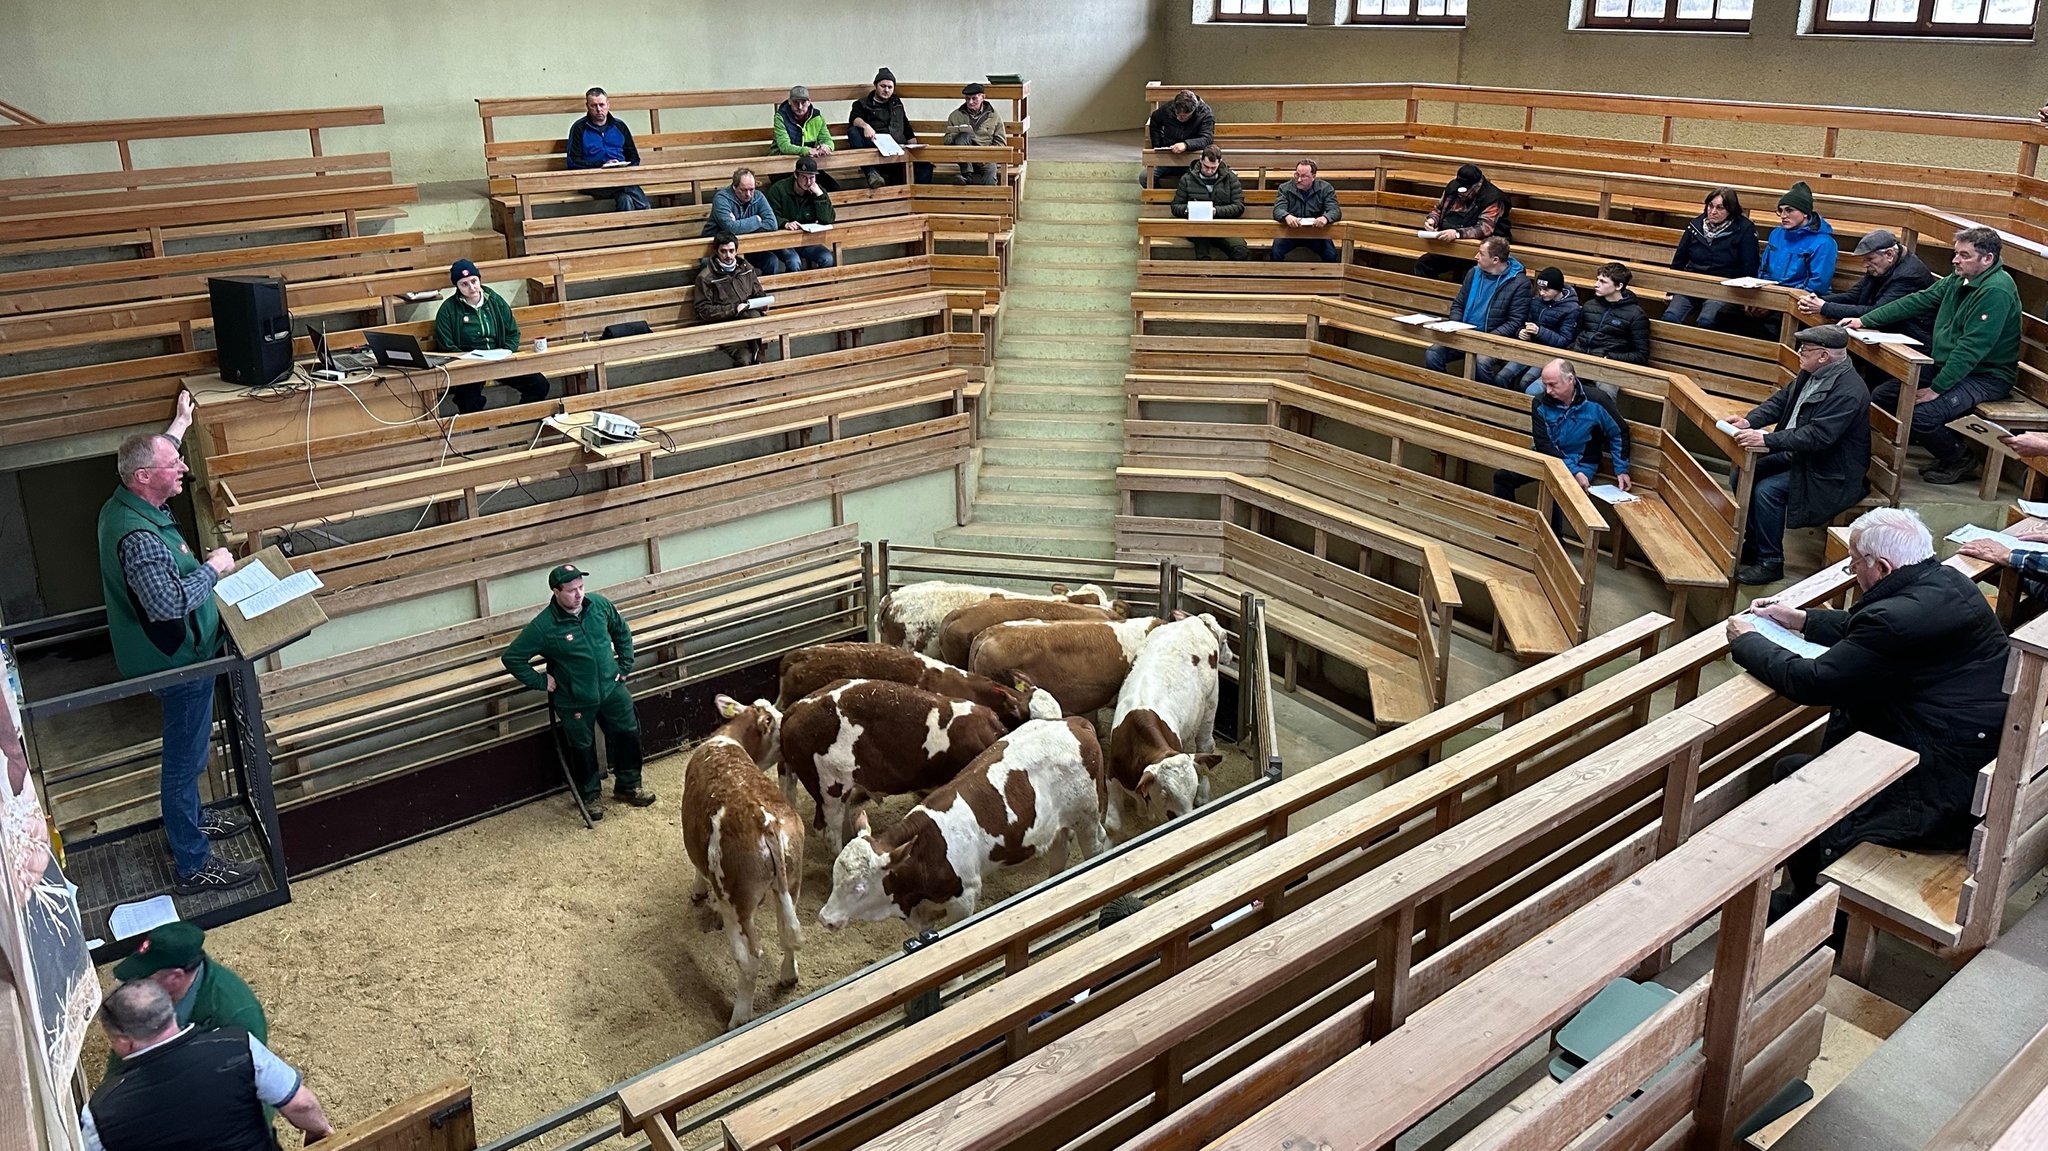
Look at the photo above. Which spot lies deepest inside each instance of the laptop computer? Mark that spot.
(338, 361)
(394, 350)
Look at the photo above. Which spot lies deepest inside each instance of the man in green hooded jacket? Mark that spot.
(1976, 348)
(206, 993)
(587, 651)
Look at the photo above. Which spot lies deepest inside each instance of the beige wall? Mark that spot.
(427, 62)
(1526, 44)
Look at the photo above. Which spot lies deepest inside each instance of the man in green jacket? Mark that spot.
(1976, 348)
(799, 199)
(207, 995)
(589, 653)
(1212, 180)
(477, 319)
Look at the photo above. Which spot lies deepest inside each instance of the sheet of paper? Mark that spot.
(1450, 326)
(2035, 508)
(758, 303)
(488, 354)
(1726, 427)
(815, 227)
(1426, 233)
(1745, 282)
(244, 582)
(1201, 211)
(1866, 337)
(1612, 494)
(1778, 634)
(887, 145)
(1968, 532)
(1417, 318)
(283, 592)
(1979, 429)
(131, 919)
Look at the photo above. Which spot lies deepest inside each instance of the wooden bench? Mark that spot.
(508, 157)
(122, 205)
(1471, 895)
(1953, 904)
(1359, 611)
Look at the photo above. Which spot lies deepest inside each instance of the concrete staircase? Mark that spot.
(1053, 432)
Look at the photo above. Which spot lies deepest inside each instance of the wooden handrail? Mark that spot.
(18, 115)
(176, 127)
(495, 106)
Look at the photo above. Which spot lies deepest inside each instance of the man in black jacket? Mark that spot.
(1212, 180)
(1184, 126)
(881, 113)
(1816, 459)
(1919, 661)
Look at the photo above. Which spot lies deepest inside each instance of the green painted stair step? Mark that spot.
(996, 479)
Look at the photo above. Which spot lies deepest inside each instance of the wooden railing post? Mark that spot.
(1982, 904)
(1735, 985)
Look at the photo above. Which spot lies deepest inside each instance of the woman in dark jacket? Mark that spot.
(1470, 208)
(1719, 242)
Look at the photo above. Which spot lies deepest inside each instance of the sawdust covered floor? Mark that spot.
(539, 961)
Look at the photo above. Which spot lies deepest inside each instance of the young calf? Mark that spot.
(1030, 793)
(956, 634)
(911, 614)
(866, 737)
(808, 669)
(1081, 662)
(1166, 707)
(744, 839)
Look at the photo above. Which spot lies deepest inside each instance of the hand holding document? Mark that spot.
(1981, 430)
(1725, 427)
(758, 303)
(1968, 532)
(1783, 636)
(254, 589)
(887, 145)
(1612, 494)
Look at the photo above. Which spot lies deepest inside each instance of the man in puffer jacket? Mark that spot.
(1494, 298)
(1564, 421)
(1212, 180)
(1612, 327)
(1554, 324)
(1306, 201)
(881, 113)
(1801, 252)
(1184, 127)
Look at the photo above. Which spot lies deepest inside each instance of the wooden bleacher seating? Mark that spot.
(526, 172)
(437, 1119)
(124, 206)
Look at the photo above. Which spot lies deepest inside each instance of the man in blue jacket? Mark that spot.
(599, 141)
(1801, 252)
(1564, 423)
(1553, 324)
(1494, 298)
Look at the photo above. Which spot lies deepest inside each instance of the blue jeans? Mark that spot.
(1681, 308)
(811, 256)
(1764, 540)
(774, 261)
(188, 730)
(1325, 250)
(1441, 359)
(1516, 377)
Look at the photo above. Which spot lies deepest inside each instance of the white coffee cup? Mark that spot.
(540, 344)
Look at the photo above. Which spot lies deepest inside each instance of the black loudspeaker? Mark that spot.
(251, 329)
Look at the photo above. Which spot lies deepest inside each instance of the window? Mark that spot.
(1263, 11)
(2005, 19)
(1669, 15)
(1442, 13)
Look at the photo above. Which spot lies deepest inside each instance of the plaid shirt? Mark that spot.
(152, 574)
(2030, 561)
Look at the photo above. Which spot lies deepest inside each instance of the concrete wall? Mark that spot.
(1527, 44)
(428, 63)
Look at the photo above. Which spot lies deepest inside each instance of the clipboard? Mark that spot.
(289, 622)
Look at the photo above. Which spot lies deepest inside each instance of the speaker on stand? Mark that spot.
(251, 329)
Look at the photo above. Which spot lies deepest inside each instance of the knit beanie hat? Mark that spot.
(461, 268)
(1798, 196)
(1550, 278)
(884, 74)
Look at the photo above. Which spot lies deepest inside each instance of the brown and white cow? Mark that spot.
(866, 737)
(911, 614)
(957, 632)
(1039, 790)
(1081, 662)
(1162, 740)
(807, 669)
(744, 839)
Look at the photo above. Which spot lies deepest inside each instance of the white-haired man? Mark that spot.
(1919, 661)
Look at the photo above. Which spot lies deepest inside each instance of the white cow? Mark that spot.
(1036, 790)
(913, 614)
(1163, 739)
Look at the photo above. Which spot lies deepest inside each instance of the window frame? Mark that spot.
(1669, 22)
(1924, 28)
(1411, 19)
(1290, 19)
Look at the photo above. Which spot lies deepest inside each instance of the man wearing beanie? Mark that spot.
(477, 319)
(976, 124)
(881, 113)
(588, 653)
(1816, 457)
(207, 995)
(1553, 324)
(1801, 252)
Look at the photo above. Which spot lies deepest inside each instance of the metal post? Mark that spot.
(871, 608)
(1169, 587)
(251, 757)
(1246, 711)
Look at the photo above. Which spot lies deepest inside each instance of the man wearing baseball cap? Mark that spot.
(799, 199)
(207, 995)
(588, 653)
(1890, 272)
(976, 124)
(477, 319)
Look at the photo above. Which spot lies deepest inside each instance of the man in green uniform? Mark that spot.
(588, 653)
(207, 995)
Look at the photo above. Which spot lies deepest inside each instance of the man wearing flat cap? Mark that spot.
(976, 124)
(1890, 272)
(477, 319)
(205, 993)
(1816, 456)
(588, 653)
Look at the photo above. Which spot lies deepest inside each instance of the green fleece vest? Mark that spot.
(142, 647)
